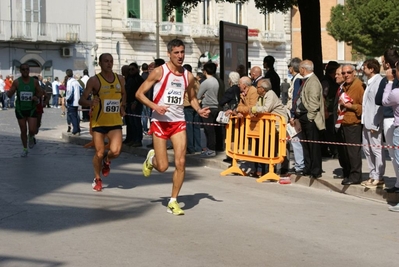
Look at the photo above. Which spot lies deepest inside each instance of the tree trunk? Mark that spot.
(311, 33)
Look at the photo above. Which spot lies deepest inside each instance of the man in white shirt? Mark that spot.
(56, 92)
(2, 95)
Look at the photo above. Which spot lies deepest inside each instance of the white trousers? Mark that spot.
(372, 141)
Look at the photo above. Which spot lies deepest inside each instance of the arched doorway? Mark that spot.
(35, 67)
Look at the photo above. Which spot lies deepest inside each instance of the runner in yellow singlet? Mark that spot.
(108, 107)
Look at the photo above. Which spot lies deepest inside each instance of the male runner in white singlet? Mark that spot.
(171, 81)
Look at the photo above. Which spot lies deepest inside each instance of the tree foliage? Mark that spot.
(369, 26)
(310, 21)
(263, 5)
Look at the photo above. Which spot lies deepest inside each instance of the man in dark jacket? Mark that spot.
(134, 108)
(268, 65)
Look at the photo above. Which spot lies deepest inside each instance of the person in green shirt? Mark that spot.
(28, 95)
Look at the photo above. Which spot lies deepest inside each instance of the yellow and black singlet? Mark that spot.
(107, 112)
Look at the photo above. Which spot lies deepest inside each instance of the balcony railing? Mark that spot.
(138, 26)
(204, 31)
(35, 31)
(272, 37)
(194, 30)
(174, 28)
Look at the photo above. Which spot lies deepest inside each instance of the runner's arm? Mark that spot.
(13, 88)
(154, 77)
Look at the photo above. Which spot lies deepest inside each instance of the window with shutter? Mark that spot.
(178, 14)
(133, 9)
(32, 10)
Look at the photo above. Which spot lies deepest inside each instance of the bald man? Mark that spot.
(256, 75)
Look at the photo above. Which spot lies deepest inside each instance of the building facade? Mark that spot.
(51, 36)
(138, 31)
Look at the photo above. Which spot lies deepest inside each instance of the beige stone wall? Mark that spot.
(329, 45)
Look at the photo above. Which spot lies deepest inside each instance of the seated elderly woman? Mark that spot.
(248, 98)
(268, 102)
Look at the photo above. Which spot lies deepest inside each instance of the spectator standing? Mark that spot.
(56, 92)
(193, 129)
(85, 110)
(61, 102)
(208, 94)
(284, 91)
(299, 164)
(230, 99)
(133, 106)
(10, 100)
(372, 120)
(72, 98)
(2, 94)
(128, 138)
(146, 110)
(48, 92)
(350, 129)
(309, 109)
(241, 70)
(390, 98)
(389, 59)
(268, 65)
(330, 88)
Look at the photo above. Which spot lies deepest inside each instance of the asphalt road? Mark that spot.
(49, 216)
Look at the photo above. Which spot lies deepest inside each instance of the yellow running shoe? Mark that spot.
(174, 208)
(147, 165)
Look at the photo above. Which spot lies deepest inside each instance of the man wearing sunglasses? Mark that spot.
(350, 131)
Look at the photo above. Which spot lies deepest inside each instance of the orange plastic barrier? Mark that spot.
(259, 139)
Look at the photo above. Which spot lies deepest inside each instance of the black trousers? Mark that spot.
(214, 134)
(311, 151)
(350, 157)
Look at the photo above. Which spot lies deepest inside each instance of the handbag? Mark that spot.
(223, 118)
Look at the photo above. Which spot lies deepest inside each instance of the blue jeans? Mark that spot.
(12, 100)
(74, 119)
(298, 152)
(193, 131)
(55, 101)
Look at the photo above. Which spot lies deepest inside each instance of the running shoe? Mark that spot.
(147, 165)
(97, 185)
(24, 153)
(106, 168)
(174, 208)
(31, 141)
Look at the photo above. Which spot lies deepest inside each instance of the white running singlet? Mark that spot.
(170, 91)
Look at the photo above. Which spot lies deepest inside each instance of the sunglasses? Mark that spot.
(348, 72)
(24, 69)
